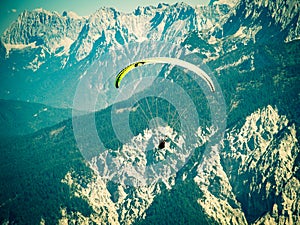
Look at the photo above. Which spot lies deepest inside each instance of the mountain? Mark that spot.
(32, 168)
(238, 181)
(79, 35)
(251, 22)
(243, 183)
(214, 189)
(263, 21)
(19, 118)
(40, 57)
(91, 169)
(266, 180)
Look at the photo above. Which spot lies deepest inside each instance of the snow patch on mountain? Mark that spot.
(249, 59)
(230, 3)
(9, 47)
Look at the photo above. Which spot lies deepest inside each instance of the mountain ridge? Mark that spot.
(250, 177)
(156, 21)
(44, 58)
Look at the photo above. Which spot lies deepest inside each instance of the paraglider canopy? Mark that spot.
(165, 60)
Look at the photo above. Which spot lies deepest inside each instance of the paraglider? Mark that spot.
(162, 143)
(165, 60)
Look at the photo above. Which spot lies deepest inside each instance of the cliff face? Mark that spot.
(261, 161)
(252, 177)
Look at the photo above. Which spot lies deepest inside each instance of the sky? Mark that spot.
(10, 9)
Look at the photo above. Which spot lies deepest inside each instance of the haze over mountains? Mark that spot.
(251, 176)
(19, 118)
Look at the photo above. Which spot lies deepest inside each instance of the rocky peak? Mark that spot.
(42, 28)
(260, 159)
(253, 179)
(259, 21)
(70, 34)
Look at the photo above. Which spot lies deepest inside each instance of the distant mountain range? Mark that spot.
(44, 50)
(251, 176)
